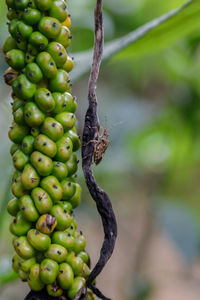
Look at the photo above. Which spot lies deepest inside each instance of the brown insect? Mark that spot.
(100, 146)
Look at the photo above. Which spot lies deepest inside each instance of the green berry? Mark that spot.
(52, 129)
(50, 27)
(15, 59)
(38, 240)
(31, 16)
(24, 30)
(68, 188)
(23, 247)
(43, 4)
(56, 252)
(12, 207)
(66, 119)
(62, 217)
(48, 271)
(38, 40)
(64, 37)
(23, 88)
(64, 239)
(47, 64)
(58, 10)
(58, 53)
(21, 4)
(77, 284)
(52, 186)
(45, 145)
(44, 100)
(72, 164)
(9, 44)
(65, 276)
(34, 280)
(42, 200)
(27, 264)
(64, 149)
(59, 83)
(42, 163)
(70, 105)
(27, 144)
(76, 199)
(60, 170)
(19, 225)
(30, 178)
(33, 116)
(28, 208)
(59, 102)
(18, 116)
(33, 72)
(74, 138)
(19, 160)
(54, 290)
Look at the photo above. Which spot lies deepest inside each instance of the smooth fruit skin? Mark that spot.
(62, 217)
(64, 149)
(16, 262)
(59, 102)
(76, 199)
(23, 247)
(54, 290)
(72, 164)
(33, 72)
(56, 252)
(77, 284)
(58, 10)
(68, 188)
(63, 37)
(64, 239)
(38, 40)
(46, 223)
(43, 5)
(24, 30)
(74, 138)
(60, 170)
(21, 4)
(45, 145)
(52, 186)
(12, 207)
(48, 271)
(34, 280)
(58, 53)
(42, 200)
(59, 83)
(30, 178)
(80, 243)
(75, 262)
(15, 59)
(69, 64)
(27, 264)
(47, 64)
(65, 276)
(33, 116)
(27, 144)
(70, 105)
(38, 240)
(23, 88)
(17, 132)
(17, 187)
(67, 120)
(19, 225)
(31, 16)
(19, 160)
(42, 163)
(44, 100)
(84, 256)
(9, 44)
(28, 208)
(52, 129)
(50, 27)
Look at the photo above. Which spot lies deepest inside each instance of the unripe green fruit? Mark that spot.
(32, 4)
(22, 45)
(19, 160)
(33, 116)
(69, 64)
(59, 83)
(64, 149)
(66, 205)
(48, 271)
(72, 164)
(63, 37)
(14, 148)
(80, 243)
(42, 200)
(65, 276)
(38, 40)
(59, 102)
(30, 178)
(77, 284)
(56, 252)
(44, 100)
(31, 16)
(27, 144)
(42, 163)
(58, 53)
(52, 186)
(27, 208)
(29, 58)
(47, 64)
(64, 239)
(69, 189)
(12, 14)
(74, 138)
(12, 207)
(46, 223)
(52, 129)
(58, 10)
(24, 30)
(43, 4)
(21, 4)
(34, 280)
(23, 275)
(62, 217)
(9, 44)
(16, 262)
(23, 247)
(38, 240)
(59, 170)
(17, 133)
(33, 72)
(54, 290)
(70, 105)
(27, 264)
(66, 119)
(76, 199)
(19, 225)
(50, 27)
(12, 28)
(72, 229)
(85, 271)
(18, 116)
(18, 188)
(84, 256)
(45, 145)
(15, 59)
(23, 88)
(17, 104)
(75, 262)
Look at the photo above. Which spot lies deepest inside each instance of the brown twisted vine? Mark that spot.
(91, 127)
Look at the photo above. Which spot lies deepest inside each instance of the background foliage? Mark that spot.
(149, 98)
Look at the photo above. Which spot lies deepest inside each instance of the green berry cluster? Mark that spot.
(50, 252)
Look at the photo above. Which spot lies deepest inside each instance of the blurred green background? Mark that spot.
(151, 105)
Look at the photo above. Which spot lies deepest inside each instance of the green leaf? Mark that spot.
(151, 37)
